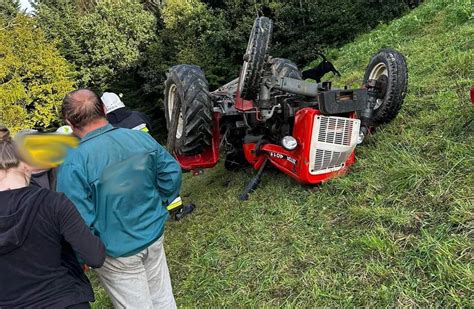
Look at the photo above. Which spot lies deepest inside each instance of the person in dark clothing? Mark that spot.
(120, 116)
(44, 179)
(42, 235)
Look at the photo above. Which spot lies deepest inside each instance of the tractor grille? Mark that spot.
(335, 130)
(334, 139)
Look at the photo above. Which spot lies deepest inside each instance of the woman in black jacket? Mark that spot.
(42, 235)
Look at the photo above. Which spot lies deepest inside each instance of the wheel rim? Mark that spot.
(173, 97)
(242, 77)
(379, 71)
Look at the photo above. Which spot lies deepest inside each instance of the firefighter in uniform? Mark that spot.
(121, 117)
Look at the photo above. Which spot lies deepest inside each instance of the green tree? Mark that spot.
(103, 39)
(33, 76)
(60, 21)
(114, 35)
(304, 26)
(201, 35)
(9, 8)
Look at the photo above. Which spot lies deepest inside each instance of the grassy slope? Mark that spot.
(397, 231)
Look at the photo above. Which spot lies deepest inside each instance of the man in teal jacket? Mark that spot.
(121, 182)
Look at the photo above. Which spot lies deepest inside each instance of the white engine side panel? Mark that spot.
(333, 140)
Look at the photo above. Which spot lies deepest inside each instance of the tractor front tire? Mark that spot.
(188, 110)
(389, 67)
(255, 56)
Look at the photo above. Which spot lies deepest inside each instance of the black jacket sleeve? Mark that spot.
(75, 231)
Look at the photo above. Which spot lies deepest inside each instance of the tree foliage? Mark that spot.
(103, 39)
(303, 26)
(9, 8)
(33, 76)
(311, 25)
(213, 33)
(193, 33)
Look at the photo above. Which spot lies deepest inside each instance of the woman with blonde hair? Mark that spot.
(42, 236)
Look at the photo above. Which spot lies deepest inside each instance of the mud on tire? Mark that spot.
(188, 110)
(389, 66)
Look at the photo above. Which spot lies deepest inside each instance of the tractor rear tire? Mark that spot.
(188, 110)
(255, 56)
(285, 68)
(389, 66)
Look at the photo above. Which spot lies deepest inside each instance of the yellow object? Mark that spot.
(176, 203)
(45, 151)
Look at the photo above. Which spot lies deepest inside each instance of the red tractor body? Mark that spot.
(209, 156)
(310, 162)
(313, 161)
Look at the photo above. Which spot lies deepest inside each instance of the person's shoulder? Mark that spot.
(120, 130)
(139, 113)
(55, 200)
(31, 196)
(46, 197)
(74, 155)
(48, 194)
(134, 133)
(143, 116)
(73, 160)
(33, 189)
(135, 137)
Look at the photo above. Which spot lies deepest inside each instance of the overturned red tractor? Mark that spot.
(270, 115)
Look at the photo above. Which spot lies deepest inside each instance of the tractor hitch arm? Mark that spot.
(366, 114)
(253, 183)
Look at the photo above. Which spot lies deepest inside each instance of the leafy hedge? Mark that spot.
(34, 77)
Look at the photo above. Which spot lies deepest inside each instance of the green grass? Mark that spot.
(396, 232)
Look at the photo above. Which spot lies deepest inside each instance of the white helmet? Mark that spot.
(66, 130)
(111, 101)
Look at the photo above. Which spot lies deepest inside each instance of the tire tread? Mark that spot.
(192, 88)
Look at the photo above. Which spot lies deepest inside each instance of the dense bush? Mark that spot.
(9, 8)
(103, 39)
(33, 76)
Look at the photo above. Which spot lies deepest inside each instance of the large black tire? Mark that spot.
(285, 68)
(389, 67)
(188, 110)
(255, 56)
(282, 67)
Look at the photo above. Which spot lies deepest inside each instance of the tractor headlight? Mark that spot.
(289, 143)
